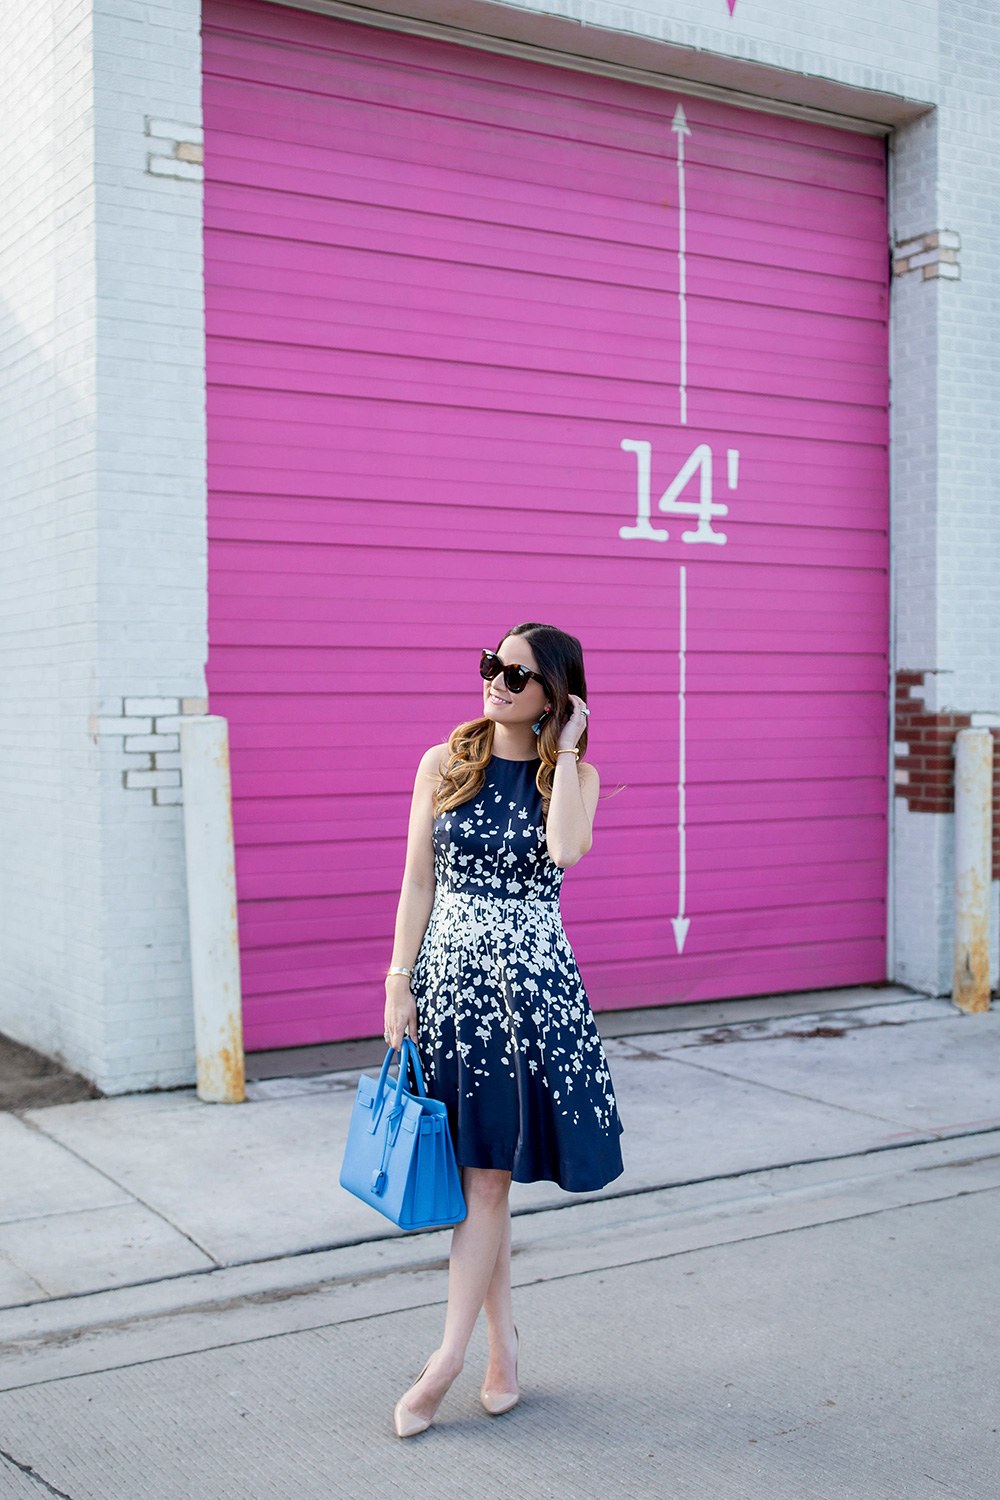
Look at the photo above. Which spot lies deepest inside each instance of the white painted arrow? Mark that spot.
(681, 923)
(681, 128)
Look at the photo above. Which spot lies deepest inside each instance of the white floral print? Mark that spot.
(506, 1032)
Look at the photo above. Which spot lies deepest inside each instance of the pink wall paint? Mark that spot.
(442, 288)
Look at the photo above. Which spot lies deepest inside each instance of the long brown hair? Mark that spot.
(560, 665)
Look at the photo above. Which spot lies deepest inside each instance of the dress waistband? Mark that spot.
(550, 898)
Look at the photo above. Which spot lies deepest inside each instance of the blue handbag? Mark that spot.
(399, 1156)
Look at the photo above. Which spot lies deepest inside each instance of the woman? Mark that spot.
(484, 980)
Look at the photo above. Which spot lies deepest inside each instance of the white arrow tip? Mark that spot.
(680, 121)
(680, 926)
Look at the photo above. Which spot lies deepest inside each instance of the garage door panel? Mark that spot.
(826, 342)
(383, 629)
(382, 375)
(741, 410)
(808, 844)
(380, 624)
(626, 237)
(304, 1017)
(249, 366)
(441, 290)
(766, 545)
(375, 102)
(737, 973)
(622, 234)
(617, 826)
(823, 592)
(309, 967)
(777, 613)
(823, 367)
(262, 525)
(321, 204)
(551, 339)
(305, 820)
(275, 923)
(233, 29)
(368, 160)
(844, 590)
(633, 385)
(824, 717)
(279, 689)
(387, 442)
(259, 780)
(406, 276)
(434, 626)
(278, 317)
(721, 848)
(372, 447)
(754, 933)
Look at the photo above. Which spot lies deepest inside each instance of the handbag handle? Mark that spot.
(379, 1100)
(408, 1058)
(413, 1058)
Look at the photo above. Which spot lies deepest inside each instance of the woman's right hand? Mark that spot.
(400, 1010)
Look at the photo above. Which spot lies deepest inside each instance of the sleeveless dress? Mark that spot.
(506, 1035)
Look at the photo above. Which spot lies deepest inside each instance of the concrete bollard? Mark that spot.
(211, 883)
(973, 841)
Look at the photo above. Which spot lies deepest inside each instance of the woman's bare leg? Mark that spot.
(501, 1371)
(475, 1246)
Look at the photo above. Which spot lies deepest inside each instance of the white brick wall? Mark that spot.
(103, 584)
(50, 916)
(891, 47)
(946, 449)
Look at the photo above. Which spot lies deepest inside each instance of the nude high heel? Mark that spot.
(497, 1402)
(406, 1422)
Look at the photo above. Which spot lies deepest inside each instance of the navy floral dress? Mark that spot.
(506, 1035)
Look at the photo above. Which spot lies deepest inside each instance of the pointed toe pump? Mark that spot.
(405, 1421)
(497, 1402)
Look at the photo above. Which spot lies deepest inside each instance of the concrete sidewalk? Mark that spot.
(811, 1332)
(127, 1192)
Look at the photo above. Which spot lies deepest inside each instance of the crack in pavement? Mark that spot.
(34, 1474)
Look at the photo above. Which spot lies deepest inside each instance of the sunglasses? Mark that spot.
(516, 677)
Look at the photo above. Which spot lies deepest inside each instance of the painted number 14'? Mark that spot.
(704, 507)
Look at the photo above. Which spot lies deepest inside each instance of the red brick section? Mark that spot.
(929, 764)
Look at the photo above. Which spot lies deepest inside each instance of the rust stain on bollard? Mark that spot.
(232, 1073)
(212, 911)
(973, 848)
(222, 1075)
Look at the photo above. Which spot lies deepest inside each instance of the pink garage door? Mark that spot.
(493, 341)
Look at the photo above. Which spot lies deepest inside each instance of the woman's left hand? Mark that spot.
(575, 725)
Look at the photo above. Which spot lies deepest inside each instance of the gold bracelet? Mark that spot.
(569, 752)
(398, 969)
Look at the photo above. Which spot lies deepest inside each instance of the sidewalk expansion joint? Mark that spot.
(33, 1474)
(71, 1151)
